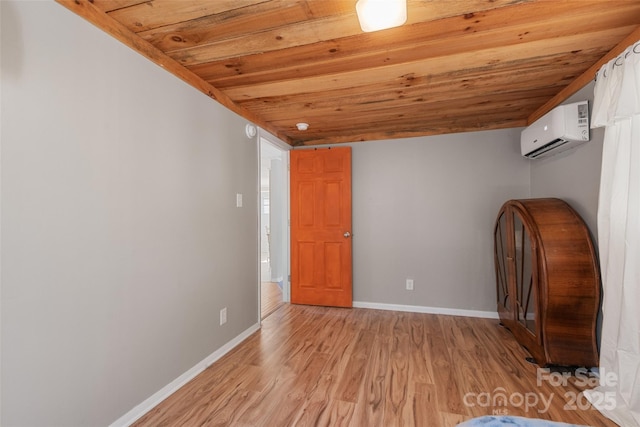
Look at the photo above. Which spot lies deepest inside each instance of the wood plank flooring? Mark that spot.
(270, 298)
(319, 366)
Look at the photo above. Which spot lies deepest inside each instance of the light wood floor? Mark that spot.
(317, 366)
(270, 298)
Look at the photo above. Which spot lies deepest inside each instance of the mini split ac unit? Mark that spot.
(560, 129)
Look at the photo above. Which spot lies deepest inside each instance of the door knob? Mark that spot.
(347, 234)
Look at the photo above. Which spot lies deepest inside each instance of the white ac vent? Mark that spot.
(562, 128)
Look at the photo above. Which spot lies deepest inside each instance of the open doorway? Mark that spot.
(274, 229)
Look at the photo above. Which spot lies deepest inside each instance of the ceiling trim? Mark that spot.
(100, 19)
(585, 78)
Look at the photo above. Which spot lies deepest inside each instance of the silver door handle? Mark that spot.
(347, 234)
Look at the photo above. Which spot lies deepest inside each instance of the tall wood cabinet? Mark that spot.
(548, 283)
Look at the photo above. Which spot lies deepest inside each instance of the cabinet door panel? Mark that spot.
(501, 248)
(525, 298)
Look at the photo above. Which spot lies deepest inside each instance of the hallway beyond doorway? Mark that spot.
(271, 298)
(274, 227)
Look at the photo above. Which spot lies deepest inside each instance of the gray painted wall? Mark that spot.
(575, 174)
(424, 208)
(120, 236)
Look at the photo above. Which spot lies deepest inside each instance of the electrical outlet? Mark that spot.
(409, 284)
(223, 316)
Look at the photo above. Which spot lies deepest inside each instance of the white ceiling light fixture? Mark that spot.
(375, 15)
(302, 126)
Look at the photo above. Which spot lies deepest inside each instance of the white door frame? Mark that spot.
(264, 136)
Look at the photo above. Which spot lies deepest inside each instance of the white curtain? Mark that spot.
(616, 106)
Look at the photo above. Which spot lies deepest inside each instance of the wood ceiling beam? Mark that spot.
(100, 19)
(585, 78)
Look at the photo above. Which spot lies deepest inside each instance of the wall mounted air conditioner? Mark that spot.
(560, 129)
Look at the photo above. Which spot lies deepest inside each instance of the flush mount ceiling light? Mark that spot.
(302, 126)
(377, 15)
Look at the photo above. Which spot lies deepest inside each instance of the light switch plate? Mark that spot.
(238, 200)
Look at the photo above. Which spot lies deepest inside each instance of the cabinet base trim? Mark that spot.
(429, 310)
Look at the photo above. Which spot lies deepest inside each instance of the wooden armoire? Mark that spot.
(548, 283)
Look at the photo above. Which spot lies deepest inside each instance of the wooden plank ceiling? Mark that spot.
(455, 66)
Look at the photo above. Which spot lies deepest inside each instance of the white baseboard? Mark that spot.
(430, 310)
(144, 407)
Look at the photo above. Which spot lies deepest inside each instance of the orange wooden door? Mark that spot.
(321, 227)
